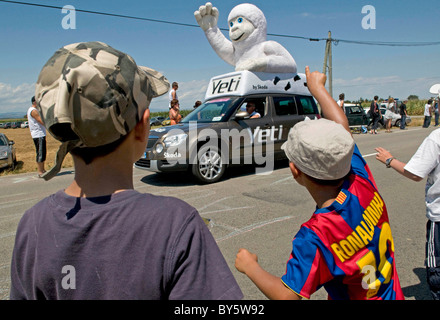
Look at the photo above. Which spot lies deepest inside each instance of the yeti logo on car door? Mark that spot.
(264, 135)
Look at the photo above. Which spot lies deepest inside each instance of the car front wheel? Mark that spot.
(209, 167)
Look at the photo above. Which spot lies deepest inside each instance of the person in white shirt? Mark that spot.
(341, 101)
(173, 93)
(38, 133)
(388, 116)
(425, 163)
(427, 114)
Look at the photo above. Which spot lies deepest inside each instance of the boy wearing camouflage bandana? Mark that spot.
(99, 238)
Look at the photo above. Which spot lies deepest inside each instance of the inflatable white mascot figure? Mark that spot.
(248, 48)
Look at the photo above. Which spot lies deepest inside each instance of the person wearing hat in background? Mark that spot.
(38, 134)
(347, 245)
(99, 238)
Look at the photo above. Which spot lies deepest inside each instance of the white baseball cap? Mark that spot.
(320, 148)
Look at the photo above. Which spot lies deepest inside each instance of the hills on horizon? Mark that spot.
(13, 115)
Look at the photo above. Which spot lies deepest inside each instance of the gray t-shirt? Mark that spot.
(124, 246)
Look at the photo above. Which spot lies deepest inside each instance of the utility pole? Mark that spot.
(328, 63)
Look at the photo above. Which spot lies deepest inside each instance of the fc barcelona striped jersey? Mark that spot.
(347, 247)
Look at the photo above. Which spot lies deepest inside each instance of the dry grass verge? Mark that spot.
(25, 149)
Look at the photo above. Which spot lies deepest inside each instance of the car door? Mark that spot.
(353, 116)
(248, 137)
(285, 116)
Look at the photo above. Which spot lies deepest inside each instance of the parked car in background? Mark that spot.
(16, 124)
(356, 115)
(156, 121)
(25, 124)
(397, 104)
(395, 121)
(5, 125)
(166, 122)
(7, 152)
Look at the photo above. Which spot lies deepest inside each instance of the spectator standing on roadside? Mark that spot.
(425, 163)
(99, 238)
(341, 101)
(349, 234)
(427, 114)
(375, 113)
(403, 114)
(38, 134)
(174, 113)
(172, 95)
(389, 114)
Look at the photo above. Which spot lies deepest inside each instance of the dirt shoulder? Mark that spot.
(25, 150)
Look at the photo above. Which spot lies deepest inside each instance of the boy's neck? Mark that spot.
(100, 178)
(324, 195)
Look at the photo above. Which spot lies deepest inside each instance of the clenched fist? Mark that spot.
(244, 260)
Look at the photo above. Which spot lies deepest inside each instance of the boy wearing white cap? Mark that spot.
(99, 238)
(347, 245)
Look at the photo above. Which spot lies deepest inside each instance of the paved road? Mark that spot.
(259, 212)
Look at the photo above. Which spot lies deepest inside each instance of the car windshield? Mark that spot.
(3, 142)
(356, 109)
(215, 110)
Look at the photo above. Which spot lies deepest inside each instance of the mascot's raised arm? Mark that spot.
(248, 48)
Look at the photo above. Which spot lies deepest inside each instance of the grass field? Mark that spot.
(25, 149)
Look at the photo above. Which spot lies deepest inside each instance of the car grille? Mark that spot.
(144, 163)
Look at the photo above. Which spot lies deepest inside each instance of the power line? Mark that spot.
(101, 13)
(333, 40)
(392, 44)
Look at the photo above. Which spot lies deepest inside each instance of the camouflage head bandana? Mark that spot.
(90, 95)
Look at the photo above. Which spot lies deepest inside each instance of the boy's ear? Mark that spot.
(143, 126)
(295, 171)
(146, 117)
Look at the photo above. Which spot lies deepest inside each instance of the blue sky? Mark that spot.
(30, 35)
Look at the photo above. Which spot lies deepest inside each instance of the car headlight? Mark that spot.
(159, 148)
(3, 154)
(175, 140)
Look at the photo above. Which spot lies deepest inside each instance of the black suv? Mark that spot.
(221, 132)
(356, 115)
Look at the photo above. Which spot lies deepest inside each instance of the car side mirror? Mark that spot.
(11, 142)
(241, 115)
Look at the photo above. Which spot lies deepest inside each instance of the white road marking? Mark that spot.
(252, 227)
